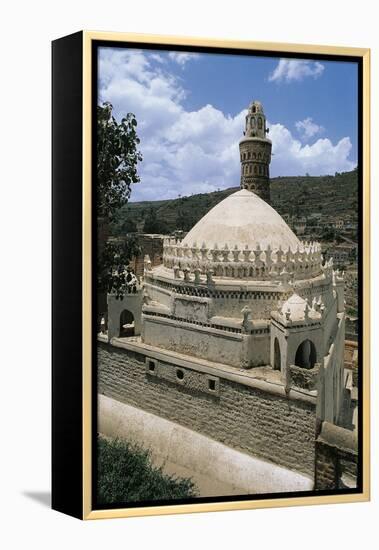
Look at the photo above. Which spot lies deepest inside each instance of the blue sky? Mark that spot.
(190, 110)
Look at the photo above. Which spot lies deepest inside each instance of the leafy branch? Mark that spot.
(116, 171)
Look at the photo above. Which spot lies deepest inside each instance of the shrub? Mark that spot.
(126, 474)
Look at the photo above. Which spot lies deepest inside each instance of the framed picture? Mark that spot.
(210, 275)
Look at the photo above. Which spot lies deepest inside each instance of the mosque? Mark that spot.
(241, 319)
(240, 289)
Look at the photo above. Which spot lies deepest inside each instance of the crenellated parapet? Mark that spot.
(260, 263)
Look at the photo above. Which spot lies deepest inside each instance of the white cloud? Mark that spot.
(319, 158)
(181, 58)
(307, 128)
(195, 151)
(157, 57)
(289, 70)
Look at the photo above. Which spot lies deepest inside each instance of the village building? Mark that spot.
(151, 244)
(299, 225)
(343, 254)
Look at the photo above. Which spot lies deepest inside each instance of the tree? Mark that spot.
(122, 225)
(153, 224)
(117, 157)
(114, 258)
(328, 234)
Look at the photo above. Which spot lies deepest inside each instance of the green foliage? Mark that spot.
(352, 311)
(332, 195)
(121, 226)
(116, 171)
(329, 234)
(153, 224)
(112, 261)
(117, 158)
(126, 474)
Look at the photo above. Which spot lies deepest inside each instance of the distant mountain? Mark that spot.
(332, 196)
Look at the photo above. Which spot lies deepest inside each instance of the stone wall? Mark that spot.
(336, 458)
(250, 420)
(210, 344)
(304, 378)
(223, 302)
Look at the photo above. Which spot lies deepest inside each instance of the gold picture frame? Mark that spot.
(84, 509)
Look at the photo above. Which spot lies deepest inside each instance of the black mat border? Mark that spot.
(96, 44)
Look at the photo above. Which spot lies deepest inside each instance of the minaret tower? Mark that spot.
(255, 153)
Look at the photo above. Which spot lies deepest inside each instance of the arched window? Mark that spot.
(254, 108)
(259, 156)
(260, 123)
(277, 357)
(255, 169)
(306, 355)
(254, 156)
(126, 324)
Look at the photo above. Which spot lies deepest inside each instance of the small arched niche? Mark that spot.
(277, 356)
(306, 355)
(126, 324)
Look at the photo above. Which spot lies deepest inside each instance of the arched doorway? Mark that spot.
(277, 357)
(306, 355)
(126, 324)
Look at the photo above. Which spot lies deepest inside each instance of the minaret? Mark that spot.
(255, 152)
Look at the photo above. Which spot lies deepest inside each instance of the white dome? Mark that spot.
(295, 305)
(242, 219)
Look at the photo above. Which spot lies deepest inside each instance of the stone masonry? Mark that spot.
(277, 429)
(336, 458)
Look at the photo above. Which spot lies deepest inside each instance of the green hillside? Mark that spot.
(332, 196)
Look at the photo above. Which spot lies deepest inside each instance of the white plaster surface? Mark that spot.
(240, 219)
(216, 469)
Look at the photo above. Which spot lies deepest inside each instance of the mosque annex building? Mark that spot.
(238, 346)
